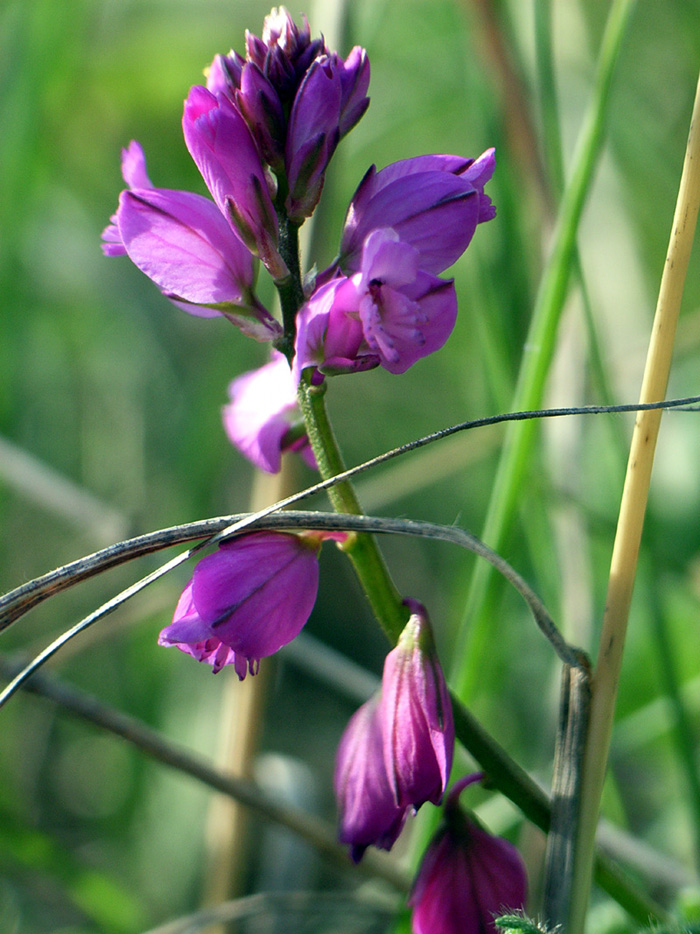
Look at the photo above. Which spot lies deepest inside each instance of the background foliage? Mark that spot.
(110, 424)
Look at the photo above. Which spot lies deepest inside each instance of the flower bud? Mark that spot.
(416, 716)
(467, 877)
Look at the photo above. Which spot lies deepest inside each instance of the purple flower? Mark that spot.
(434, 203)
(406, 313)
(183, 243)
(248, 599)
(329, 332)
(221, 145)
(391, 313)
(369, 815)
(467, 878)
(416, 716)
(263, 418)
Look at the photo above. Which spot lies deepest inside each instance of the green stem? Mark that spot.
(477, 631)
(362, 549)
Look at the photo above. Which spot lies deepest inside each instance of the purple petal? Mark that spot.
(354, 78)
(467, 877)
(386, 258)
(263, 406)
(134, 166)
(257, 592)
(404, 325)
(369, 815)
(434, 212)
(221, 145)
(111, 239)
(224, 74)
(260, 105)
(182, 242)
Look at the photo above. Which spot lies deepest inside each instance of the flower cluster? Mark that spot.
(396, 752)
(262, 132)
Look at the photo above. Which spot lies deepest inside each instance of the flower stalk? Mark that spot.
(362, 549)
(631, 519)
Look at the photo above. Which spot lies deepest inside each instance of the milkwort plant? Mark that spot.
(262, 132)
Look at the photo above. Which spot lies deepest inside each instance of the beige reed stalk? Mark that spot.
(631, 519)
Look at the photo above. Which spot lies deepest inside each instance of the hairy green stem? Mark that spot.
(362, 549)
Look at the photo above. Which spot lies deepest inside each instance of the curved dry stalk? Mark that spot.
(309, 520)
(15, 603)
(319, 833)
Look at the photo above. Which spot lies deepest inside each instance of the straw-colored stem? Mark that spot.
(633, 506)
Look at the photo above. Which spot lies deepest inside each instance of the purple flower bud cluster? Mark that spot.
(298, 99)
(396, 752)
(467, 877)
(262, 132)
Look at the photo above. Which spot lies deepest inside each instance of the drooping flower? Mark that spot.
(434, 203)
(248, 599)
(263, 419)
(183, 243)
(396, 752)
(368, 813)
(467, 877)
(416, 716)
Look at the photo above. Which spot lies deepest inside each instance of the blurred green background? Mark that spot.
(110, 422)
